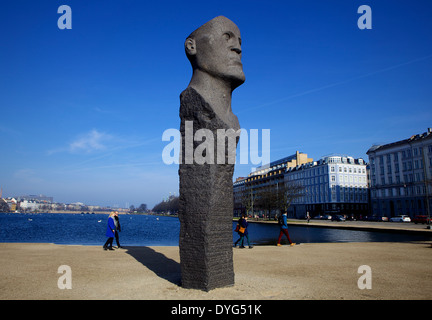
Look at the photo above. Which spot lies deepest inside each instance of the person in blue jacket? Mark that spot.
(110, 232)
(283, 225)
(244, 224)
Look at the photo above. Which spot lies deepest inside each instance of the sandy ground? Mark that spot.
(305, 271)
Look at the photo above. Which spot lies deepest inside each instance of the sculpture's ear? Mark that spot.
(190, 47)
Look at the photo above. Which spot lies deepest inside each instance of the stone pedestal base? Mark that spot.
(205, 207)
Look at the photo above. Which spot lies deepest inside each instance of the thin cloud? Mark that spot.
(90, 142)
(96, 141)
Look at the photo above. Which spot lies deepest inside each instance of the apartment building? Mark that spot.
(333, 185)
(401, 175)
(269, 178)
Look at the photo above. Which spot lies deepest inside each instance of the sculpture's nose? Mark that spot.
(237, 50)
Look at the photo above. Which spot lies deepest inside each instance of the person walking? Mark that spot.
(283, 225)
(243, 232)
(239, 230)
(110, 232)
(117, 229)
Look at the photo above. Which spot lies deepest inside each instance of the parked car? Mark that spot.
(402, 218)
(378, 218)
(317, 217)
(326, 217)
(351, 217)
(421, 219)
(338, 217)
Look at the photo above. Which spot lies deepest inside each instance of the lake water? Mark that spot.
(147, 230)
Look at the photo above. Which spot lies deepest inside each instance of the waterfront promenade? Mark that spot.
(383, 226)
(306, 271)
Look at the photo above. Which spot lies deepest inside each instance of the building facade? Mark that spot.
(333, 185)
(249, 192)
(34, 197)
(401, 175)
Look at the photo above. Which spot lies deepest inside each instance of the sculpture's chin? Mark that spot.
(237, 81)
(236, 77)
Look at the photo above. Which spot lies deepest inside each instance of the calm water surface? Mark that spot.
(88, 229)
(147, 230)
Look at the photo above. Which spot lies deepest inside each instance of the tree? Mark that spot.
(4, 207)
(267, 201)
(142, 208)
(248, 200)
(171, 205)
(287, 193)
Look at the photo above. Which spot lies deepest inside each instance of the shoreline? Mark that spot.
(390, 227)
(310, 271)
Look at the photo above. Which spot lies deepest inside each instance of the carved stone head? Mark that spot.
(215, 49)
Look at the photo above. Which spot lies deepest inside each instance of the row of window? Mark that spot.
(352, 179)
(400, 191)
(341, 195)
(349, 169)
(317, 199)
(405, 154)
(406, 166)
(322, 170)
(407, 178)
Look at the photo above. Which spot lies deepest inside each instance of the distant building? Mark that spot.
(12, 203)
(33, 197)
(30, 205)
(401, 175)
(332, 185)
(263, 179)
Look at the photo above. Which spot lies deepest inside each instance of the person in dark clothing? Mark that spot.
(110, 232)
(241, 235)
(243, 232)
(118, 229)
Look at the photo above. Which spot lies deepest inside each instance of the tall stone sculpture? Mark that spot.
(206, 193)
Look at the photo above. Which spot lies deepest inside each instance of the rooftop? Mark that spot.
(416, 137)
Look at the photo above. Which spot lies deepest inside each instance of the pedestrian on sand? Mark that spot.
(118, 229)
(241, 235)
(243, 232)
(283, 225)
(110, 232)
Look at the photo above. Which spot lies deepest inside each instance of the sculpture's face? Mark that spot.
(218, 51)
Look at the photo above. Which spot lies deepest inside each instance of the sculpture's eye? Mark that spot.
(227, 36)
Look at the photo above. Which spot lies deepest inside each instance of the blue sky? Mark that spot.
(83, 110)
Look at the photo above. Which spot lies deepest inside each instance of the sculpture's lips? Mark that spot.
(236, 63)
